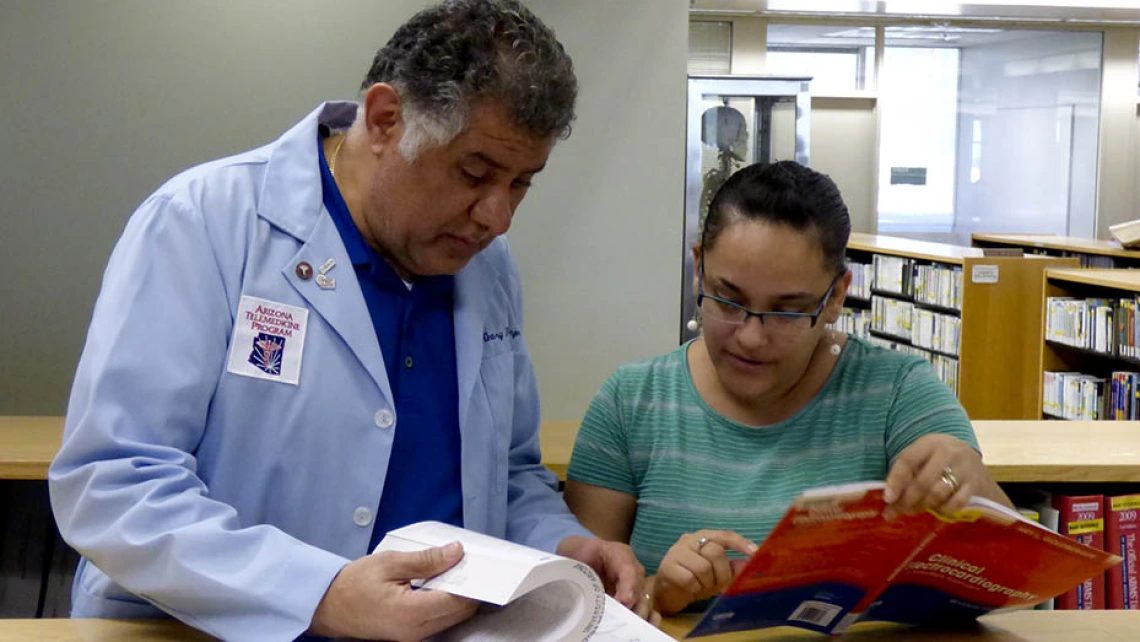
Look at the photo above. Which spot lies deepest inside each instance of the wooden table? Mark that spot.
(1015, 451)
(64, 630)
(1061, 451)
(557, 440)
(27, 446)
(1024, 626)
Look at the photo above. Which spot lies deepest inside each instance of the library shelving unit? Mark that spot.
(977, 318)
(1093, 253)
(1090, 332)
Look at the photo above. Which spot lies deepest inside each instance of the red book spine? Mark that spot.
(1082, 518)
(1121, 530)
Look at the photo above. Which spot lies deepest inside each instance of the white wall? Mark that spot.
(100, 102)
(843, 147)
(599, 243)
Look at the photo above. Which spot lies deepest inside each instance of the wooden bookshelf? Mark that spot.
(998, 375)
(1053, 245)
(1058, 357)
(911, 249)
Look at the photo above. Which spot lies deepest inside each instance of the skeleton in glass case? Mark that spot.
(724, 128)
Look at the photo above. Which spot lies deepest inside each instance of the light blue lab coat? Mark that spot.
(231, 502)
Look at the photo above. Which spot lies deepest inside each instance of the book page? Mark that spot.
(553, 612)
(527, 594)
(492, 570)
(620, 624)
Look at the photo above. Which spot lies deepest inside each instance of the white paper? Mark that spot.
(529, 595)
(620, 624)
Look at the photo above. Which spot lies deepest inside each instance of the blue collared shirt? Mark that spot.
(416, 332)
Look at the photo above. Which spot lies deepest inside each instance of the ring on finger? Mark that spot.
(950, 480)
(701, 542)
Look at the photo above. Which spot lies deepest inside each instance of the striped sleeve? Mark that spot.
(923, 405)
(601, 452)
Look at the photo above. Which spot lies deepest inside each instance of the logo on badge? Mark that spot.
(267, 354)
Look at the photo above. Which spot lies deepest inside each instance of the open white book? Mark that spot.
(528, 595)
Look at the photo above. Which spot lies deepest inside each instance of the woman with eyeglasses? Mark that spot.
(695, 453)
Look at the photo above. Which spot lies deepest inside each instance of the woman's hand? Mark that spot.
(697, 567)
(941, 473)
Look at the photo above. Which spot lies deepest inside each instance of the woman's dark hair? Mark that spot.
(788, 193)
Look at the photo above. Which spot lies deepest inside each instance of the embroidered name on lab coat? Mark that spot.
(268, 340)
(505, 333)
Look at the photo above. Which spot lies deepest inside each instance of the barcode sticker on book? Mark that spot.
(817, 613)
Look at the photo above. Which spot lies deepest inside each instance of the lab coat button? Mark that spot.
(362, 516)
(384, 418)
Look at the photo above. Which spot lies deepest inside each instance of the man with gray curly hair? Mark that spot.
(347, 357)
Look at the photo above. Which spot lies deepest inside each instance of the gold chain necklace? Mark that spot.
(336, 153)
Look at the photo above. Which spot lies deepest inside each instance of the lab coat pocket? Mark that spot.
(497, 374)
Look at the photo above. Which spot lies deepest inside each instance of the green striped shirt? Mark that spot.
(649, 434)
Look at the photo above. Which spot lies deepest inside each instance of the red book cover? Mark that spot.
(1082, 519)
(834, 561)
(1121, 529)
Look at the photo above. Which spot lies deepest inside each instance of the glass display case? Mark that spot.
(735, 121)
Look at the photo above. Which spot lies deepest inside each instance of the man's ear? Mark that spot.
(383, 117)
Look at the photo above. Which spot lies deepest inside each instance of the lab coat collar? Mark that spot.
(291, 195)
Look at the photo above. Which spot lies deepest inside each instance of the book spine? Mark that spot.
(1121, 529)
(1082, 519)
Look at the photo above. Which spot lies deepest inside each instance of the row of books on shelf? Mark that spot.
(1092, 324)
(927, 283)
(938, 285)
(862, 280)
(1095, 261)
(945, 367)
(858, 323)
(1102, 522)
(923, 328)
(852, 321)
(1075, 395)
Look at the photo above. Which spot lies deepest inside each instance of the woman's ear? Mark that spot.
(696, 268)
(834, 305)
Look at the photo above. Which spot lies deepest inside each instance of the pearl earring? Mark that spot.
(835, 349)
(692, 325)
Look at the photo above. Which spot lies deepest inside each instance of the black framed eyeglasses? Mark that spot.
(732, 313)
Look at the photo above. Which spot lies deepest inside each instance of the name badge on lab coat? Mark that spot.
(268, 340)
